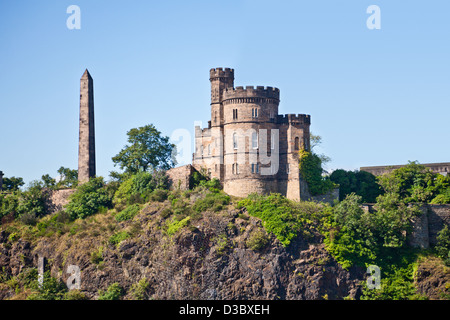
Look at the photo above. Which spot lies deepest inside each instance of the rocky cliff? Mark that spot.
(208, 259)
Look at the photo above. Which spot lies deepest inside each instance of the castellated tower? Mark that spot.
(86, 143)
(248, 146)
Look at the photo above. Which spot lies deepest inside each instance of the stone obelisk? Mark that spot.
(86, 142)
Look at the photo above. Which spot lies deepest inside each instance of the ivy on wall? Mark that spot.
(311, 170)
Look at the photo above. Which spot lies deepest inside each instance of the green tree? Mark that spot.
(68, 178)
(147, 149)
(361, 183)
(12, 184)
(414, 183)
(33, 200)
(48, 181)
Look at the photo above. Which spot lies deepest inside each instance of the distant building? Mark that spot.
(441, 168)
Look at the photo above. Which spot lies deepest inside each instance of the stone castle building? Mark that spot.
(247, 145)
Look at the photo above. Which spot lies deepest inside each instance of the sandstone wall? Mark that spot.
(58, 199)
(179, 178)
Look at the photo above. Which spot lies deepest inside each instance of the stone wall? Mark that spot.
(58, 199)
(438, 215)
(180, 177)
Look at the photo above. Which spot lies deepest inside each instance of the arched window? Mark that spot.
(235, 141)
(254, 140)
(296, 143)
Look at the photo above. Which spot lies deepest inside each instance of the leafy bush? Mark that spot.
(159, 195)
(283, 217)
(51, 288)
(33, 200)
(128, 213)
(97, 256)
(8, 204)
(56, 223)
(118, 237)
(212, 201)
(442, 198)
(139, 290)
(88, 199)
(138, 187)
(114, 292)
(443, 245)
(257, 240)
(174, 225)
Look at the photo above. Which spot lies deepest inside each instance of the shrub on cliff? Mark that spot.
(138, 188)
(214, 201)
(283, 217)
(88, 199)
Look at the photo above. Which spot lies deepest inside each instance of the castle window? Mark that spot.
(287, 169)
(235, 114)
(235, 141)
(201, 150)
(254, 140)
(272, 140)
(237, 168)
(296, 143)
(255, 167)
(215, 168)
(215, 116)
(209, 149)
(254, 113)
(271, 114)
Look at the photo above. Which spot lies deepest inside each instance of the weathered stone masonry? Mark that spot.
(86, 144)
(245, 125)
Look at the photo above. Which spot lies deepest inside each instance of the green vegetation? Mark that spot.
(138, 188)
(353, 236)
(214, 201)
(174, 225)
(118, 237)
(257, 240)
(443, 245)
(139, 290)
(311, 171)
(128, 213)
(361, 183)
(113, 292)
(12, 184)
(415, 183)
(88, 199)
(147, 149)
(283, 217)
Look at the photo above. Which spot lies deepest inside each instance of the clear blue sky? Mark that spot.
(375, 96)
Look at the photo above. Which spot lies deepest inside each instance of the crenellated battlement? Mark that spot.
(221, 73)
(292, 117)
(251, 91)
